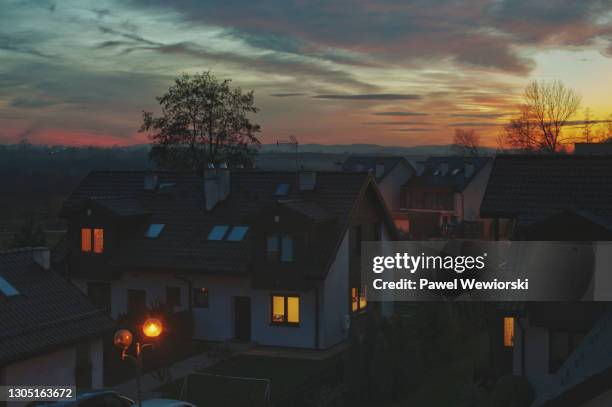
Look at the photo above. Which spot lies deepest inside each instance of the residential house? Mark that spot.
(550, 198)
(443, 199)
(267, 257)
(390, 172)
(51, 334)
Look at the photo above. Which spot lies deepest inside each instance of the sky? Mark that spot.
(333, 72)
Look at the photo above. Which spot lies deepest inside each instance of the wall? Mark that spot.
(390, 186)
(335, 299)
(536, 352)
(473, 194)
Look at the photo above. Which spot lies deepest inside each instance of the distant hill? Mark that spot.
(369, 149)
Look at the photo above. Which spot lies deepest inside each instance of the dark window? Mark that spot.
(137, 302)
(279, 248)
(173, 296)
(200, 297)
(99, 294)
(562, 344)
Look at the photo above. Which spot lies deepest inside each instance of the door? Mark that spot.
(242, 319)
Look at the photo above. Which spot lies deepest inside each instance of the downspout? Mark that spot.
(522, 329)
(316, 317)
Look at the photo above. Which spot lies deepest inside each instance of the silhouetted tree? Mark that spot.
(538, 125)
(466, 143)
(203, 120)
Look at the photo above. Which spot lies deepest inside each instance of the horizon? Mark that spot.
(387, 74)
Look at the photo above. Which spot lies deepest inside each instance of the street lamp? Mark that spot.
(151, 328)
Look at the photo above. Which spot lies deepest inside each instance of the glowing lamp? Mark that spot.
(123, 339)
(152, 328)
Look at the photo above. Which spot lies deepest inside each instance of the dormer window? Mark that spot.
(154, 230)
(279, 248)
(7, 289)
(231, 234)
(92, 239)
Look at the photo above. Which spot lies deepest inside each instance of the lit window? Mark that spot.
(285, 310)
(86, 240)
(7, 289)
(200, 297)
(154, 230)
(282, 190)
(218, 232)
(98, 240)
(509, 332)
(358, 299)
(237, 233)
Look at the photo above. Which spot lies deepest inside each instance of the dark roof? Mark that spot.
(183, 244)
(48, 313)
(120, 206)
(370, 162)
(448, 171)
(535, 187)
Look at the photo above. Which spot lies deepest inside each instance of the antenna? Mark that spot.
(293, 141)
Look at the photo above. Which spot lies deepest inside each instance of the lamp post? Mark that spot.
(151, 328)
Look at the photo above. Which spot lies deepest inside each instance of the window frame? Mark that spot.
(359, 291)
(93, 247)
(195, 292)
(509, 340)
(279, 253)
(285, 321)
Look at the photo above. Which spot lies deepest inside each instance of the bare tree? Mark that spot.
(466, 142)
(538, 126)
(587, 128)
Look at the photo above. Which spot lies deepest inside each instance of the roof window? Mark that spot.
(237, 233)
(154, 230)
(282, 190)
(7, 289)
(218, 232)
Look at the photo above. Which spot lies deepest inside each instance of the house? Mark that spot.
(593, 148)
(551, 198)
(390, 172)
(51, 334)
(443, 199)
(263, 256)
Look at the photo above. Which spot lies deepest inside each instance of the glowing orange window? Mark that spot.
(354, 299)
(85, 240)
(509, 332)
(98, 242)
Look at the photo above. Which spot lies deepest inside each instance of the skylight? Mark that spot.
(218, 232)
(154, 230)
(282, 190)
(237, 233)
(7, 289)
(165, 186)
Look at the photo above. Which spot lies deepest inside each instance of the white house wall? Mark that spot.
(473, 194)
(335, 298)
(390, 185)
(536, 353)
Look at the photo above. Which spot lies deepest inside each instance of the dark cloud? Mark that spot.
(31, 103)
(414, 130)
(479, 115)
(480, 33)
(370, 96)
(473, 124)
(286, 95)
(400, 114)
(400, 123)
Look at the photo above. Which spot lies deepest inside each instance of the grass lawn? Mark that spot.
(287, 377)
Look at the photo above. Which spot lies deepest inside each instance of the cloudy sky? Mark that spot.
(394, 72)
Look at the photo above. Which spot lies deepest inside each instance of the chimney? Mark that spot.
(443, 168)
(307, 180)
(223, 174)
(216, 185)
(150, 181)
(469, 170)
(42, 257)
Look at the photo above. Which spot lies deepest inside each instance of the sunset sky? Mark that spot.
(356, 71)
